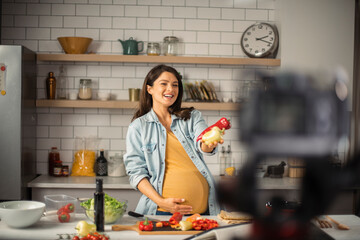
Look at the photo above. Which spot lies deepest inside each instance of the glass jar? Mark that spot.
(153, 49)
(116, 166)
(85, 89)
(171, 46)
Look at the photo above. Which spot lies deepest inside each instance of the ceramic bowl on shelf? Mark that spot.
(75, 45)
(21, 214)
(103, 96)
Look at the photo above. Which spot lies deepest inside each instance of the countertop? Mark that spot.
(45, 181)
(49, 229)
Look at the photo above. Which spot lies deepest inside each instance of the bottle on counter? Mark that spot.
(54, 156)
(222, 161)
(101, 165)
(51, 86)
(58, 168)
(65, 171)
(99, 206)
(228, 157)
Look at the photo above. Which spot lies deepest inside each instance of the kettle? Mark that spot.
(131, 46)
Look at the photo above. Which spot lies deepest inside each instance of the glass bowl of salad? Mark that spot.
(114, 209)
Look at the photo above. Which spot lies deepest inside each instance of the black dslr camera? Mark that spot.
(303, 116)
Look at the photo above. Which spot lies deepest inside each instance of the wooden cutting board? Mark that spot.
(156, 231)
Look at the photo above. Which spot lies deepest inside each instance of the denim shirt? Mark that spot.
(145, 154)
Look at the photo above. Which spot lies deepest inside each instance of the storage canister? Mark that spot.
(85, 90)
(116, 166)
(171, 46)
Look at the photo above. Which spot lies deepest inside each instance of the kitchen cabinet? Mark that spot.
(146, 59)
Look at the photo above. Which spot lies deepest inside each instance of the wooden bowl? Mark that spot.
(74, 45)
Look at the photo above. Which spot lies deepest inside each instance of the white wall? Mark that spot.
(317, 34)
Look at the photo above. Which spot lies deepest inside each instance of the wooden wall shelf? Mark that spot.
(130, 105)
(157, 59)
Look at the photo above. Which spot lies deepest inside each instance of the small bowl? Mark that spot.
(21, 214)
(75, 45)
(110, 217)
(103, 96)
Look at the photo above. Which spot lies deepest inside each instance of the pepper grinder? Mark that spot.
(51, 86)
(99, 205)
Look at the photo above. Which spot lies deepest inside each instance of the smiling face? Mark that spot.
(165, 90)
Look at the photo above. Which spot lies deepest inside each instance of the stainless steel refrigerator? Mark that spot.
(17, 121)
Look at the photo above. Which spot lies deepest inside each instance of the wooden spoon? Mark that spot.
(339, 225)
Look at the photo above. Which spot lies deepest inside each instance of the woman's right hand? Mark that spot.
(174, 205)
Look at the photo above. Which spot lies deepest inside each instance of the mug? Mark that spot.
(134, 94)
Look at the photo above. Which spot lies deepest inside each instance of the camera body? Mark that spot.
(297, 115)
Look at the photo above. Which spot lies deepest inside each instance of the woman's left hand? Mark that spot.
(211, 146)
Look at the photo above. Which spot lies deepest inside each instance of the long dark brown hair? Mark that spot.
(146, 101)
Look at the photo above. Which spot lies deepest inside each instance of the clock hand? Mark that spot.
(265, 41)
(261, 38)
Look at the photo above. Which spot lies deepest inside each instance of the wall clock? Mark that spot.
(260, 40)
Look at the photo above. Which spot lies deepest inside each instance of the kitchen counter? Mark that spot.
(48, 229)
(45, 181)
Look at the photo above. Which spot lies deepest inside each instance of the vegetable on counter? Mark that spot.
(93, 236)
(146, 225)
(193, 217)
(204, 224)
(112, 208)
(222, 124)
(176, 218)
(83, 228)
(185, 225)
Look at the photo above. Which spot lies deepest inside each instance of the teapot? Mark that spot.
(131, 46)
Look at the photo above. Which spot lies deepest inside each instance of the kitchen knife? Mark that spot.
(138, 215)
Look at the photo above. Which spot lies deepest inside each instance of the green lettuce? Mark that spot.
(113, 208)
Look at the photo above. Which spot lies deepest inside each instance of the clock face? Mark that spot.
(260, 40)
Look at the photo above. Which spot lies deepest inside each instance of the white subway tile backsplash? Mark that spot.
(235, 14)
(42, 131)
(256, 15)
(110, 132)
(100, 1)
(38, 33)
(111, 34)
(68, 144)
(209, 13)
(62, 9)
(136, 11)
(117, 145)
(196, 49)
(220, 73)
(245, 4)
(149, 2)
(120, 120)
(87, 10)
(126, 2)
(186, 36)
(173, 2)
(7, 21)
(50, 21)
(220, 50)
(47, 143)
(132, 83)
(223, 3)
(26, 21)
(99, 22)
(124, 22)
(122, 71)
(208, 37)
(184, 12)
(172, 24)
(91, 33)
(76, 70)
(112, 10)
(110, 83)
(61, 132)
(196, 73)
(221, 25)
(161, 11)
(75, 1)
(73, 119)
(13, 33)
(230, 37)
(85, 132)
(14, 8)
(148, 23)
(196, 25)
(97, 120)
(49, 119)
(158, 36)
(267, 4)
(197, 3)
(61, 32)
(38, 9)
